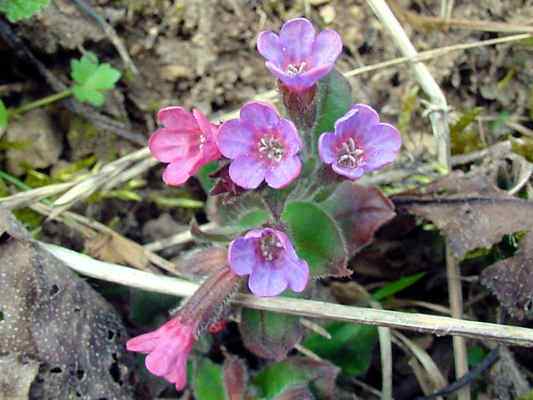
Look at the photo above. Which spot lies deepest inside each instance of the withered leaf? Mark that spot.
(470, 210)
(511, 280)
(57, 319)
(117, 249)
(359, 211)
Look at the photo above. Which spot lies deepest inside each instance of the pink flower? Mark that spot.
(360, 143)
(168, 349)
(262, 145)
(267, 255)
(186, 142)
(298, 56)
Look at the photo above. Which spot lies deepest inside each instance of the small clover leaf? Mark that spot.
(92, 79)
(16, 10)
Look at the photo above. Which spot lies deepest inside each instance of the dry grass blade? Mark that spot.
(438, 109)
(433, 372)
(23, 199)
(314, 309)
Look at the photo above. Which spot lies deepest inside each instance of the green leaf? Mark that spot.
(3, 115)
(316, 238)
(278, 378)
(268, 334)
(92, 79)
(203, 176)
(350, 347)
(476, 354)
(392, 288)
(208, 380)
(247, 211)
(16, 10)
(334, 100)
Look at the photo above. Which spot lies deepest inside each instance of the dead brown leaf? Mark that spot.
(52, 316)
(470, 210)
(117, 249)
(511, 280)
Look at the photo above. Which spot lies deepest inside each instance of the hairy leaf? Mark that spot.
(359, 211)
(334, 99)
(208, 380)
(279, 378)
(244, 212)
(268, 334)
(317, 238)
(16, 10)
(92, 79)
(350, 347)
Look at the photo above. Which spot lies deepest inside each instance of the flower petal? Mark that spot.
(284, 173)
(384, 147)
(161, 361)
(289, 135)
(313, 75)
(178, 172)
(296, 37)
(296, 273)
(350, 173)
(178, 375)
(269, 46)
(300, 81)
(266, 281)
(242, 255)
(382, 135)
(356, 122)
(168, 145)
(262, 116)
(143, 343)
(177, 118)
(235, 139)
(326, 147)
(326, 48)
(206, 127)
(247, 172)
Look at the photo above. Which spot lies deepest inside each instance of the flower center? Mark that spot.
(296, 69)
(349, 155)
(270, 246)
(271, 148)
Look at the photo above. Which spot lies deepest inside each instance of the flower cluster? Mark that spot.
(261, 150)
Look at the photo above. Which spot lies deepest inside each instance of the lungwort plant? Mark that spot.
(284, 193)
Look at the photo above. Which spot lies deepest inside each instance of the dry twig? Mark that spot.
(433, 324)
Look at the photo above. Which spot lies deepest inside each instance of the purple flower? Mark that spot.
(360, 143)
(267, 255)
(298, 56)
(262, 145)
